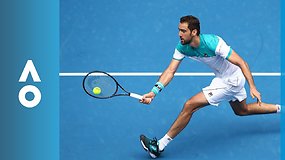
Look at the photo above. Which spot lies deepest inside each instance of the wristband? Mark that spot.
(157, 88)
(159, 85)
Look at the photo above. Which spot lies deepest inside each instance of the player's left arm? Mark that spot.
(237, 60)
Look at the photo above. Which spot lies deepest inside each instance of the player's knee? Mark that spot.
(189, 107)
(242, 112)
(239, 113)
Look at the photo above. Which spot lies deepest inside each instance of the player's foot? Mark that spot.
(150, 145)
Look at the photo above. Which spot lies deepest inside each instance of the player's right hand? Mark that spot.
(147, 98)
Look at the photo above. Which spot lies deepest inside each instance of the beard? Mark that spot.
(184, 42)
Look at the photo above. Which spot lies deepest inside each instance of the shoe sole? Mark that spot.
(146, 149)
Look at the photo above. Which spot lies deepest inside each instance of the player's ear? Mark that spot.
(194, 32)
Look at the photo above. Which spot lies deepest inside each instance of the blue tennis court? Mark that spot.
(140, 36)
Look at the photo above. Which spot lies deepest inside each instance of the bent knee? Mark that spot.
(242, 112)
(189, 107)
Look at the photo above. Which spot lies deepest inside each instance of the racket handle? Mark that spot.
(137, 96)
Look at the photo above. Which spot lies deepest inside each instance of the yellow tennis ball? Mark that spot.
(96, 90)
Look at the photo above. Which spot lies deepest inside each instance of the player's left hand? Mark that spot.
(255, 94)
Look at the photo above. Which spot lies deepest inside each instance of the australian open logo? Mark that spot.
(29, 68)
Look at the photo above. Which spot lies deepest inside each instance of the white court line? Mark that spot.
(194, 74)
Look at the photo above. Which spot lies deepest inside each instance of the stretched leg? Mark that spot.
(193, 104)
(243, 109)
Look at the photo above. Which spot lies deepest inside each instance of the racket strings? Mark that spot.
(107, 85)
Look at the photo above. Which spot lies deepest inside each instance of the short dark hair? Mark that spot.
(193, 23)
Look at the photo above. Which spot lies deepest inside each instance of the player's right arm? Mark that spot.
(169, 72)
(164, 79)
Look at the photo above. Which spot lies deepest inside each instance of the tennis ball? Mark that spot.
(96, 90)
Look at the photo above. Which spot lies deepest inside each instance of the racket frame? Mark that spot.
(134, 95)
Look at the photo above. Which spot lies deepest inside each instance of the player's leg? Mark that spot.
(153, 146)
(192, 105)
(243, 109)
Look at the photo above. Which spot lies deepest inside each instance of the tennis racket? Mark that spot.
(99, 84)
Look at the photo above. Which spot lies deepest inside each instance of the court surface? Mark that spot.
(140, 36)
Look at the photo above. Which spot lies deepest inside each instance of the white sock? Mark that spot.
(278, 108)
(163, 142)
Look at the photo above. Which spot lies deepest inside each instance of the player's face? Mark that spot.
(184, 33)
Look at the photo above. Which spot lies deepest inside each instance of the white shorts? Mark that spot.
(227, 89)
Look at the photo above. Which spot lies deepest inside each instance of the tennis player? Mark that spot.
(231, 73)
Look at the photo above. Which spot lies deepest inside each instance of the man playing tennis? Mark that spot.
(231, 72)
